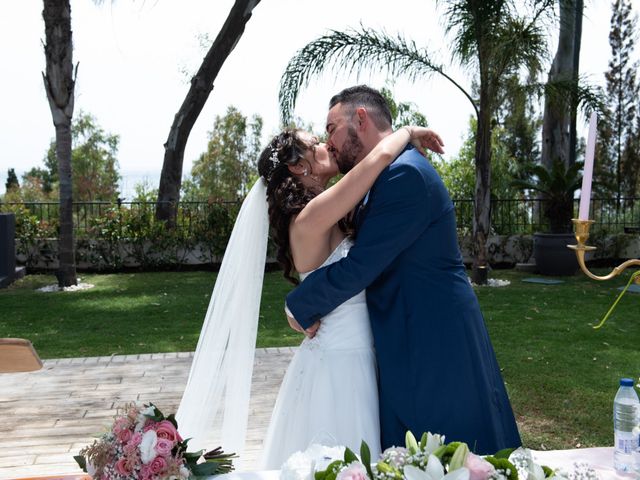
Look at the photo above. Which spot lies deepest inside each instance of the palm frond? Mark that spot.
(588, 97)
(354, 51)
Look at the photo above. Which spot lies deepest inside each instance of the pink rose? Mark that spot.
(145, 472)
(120, 425)
(164, 447)
(124, 435)
(354, 471)
(165, 429)
(479, 468)
(158, 465)
(130, 449)
(136, 438)
(122, 468)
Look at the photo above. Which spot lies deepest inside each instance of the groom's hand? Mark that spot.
(293, 323)
(311, 331)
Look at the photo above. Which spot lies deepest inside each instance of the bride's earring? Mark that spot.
(305, 172)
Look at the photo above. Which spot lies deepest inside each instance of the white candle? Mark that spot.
(585, 192)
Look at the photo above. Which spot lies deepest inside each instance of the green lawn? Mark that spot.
(561, 374)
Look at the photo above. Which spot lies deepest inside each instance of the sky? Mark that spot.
(135, 60)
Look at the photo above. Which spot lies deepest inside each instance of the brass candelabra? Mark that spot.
(581, 229)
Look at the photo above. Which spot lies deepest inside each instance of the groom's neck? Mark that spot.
(372, 139)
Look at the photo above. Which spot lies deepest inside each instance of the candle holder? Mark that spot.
(581, 229)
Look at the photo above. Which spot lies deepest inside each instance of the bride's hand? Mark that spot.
(423, 137)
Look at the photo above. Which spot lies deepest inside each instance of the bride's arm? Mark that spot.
(325, 210)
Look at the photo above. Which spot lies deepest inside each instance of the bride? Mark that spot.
(329, 391)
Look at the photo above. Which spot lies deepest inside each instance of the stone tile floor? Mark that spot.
(49, 415)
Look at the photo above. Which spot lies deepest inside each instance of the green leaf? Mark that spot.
(504, 453)
(504, 465)
(331, 472)
(349, 456)
(365, 456)
(205, 469)
(81, 461)
(172, 419)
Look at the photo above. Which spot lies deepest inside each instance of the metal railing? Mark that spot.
(508, 216)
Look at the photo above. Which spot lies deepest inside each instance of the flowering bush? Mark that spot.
(432, 459)
(144, 444)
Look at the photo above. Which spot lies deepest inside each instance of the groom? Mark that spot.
(437, 368)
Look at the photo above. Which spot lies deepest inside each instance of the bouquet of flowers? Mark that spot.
(144, 444)
(432, 459)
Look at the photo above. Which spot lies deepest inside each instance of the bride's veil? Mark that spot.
(220, 375)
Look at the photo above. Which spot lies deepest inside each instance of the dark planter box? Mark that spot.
(552, 255)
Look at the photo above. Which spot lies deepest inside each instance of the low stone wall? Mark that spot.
(503, 250)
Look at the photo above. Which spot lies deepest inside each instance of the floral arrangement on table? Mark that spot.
(143, 444)
(429, 459)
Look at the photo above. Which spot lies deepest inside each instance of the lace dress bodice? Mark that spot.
(347, 326)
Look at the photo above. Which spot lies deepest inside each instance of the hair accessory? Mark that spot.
(274, 157)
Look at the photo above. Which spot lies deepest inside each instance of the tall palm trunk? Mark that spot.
(201, 86)
(482, 205)
(59, 83)
(556, 126)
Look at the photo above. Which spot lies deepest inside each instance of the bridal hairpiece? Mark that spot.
(274, 157)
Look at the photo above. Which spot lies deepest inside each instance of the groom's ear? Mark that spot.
(362, 116)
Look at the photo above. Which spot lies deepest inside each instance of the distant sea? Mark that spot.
(129, 180)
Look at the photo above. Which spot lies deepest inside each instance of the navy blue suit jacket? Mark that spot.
(437, 368)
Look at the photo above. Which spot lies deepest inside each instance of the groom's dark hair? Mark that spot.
(370, 98)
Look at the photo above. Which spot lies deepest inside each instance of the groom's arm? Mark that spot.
(397, 214)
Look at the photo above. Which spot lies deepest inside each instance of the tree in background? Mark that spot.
(43, 176)
(93, 160)
(402, 113)
(559, 108)
(59, 84)
(225, 171)
(12, 180)
(517, 123)
(95, 167)
(618, 165)
(201, 86)
(458, 173)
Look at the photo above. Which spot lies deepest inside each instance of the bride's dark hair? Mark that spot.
(286, 195)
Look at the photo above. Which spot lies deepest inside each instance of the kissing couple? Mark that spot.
(395, 339)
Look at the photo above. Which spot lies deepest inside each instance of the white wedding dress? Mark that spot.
(329, 394)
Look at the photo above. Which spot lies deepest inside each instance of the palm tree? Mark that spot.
(490, 37)
(559, 119)
(59, 83)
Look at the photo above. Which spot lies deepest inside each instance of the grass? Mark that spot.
(561, 374)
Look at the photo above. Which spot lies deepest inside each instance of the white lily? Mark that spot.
(434, 467)
(434, 471)
(433, 442)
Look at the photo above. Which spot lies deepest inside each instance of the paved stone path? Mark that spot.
(47, 416)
